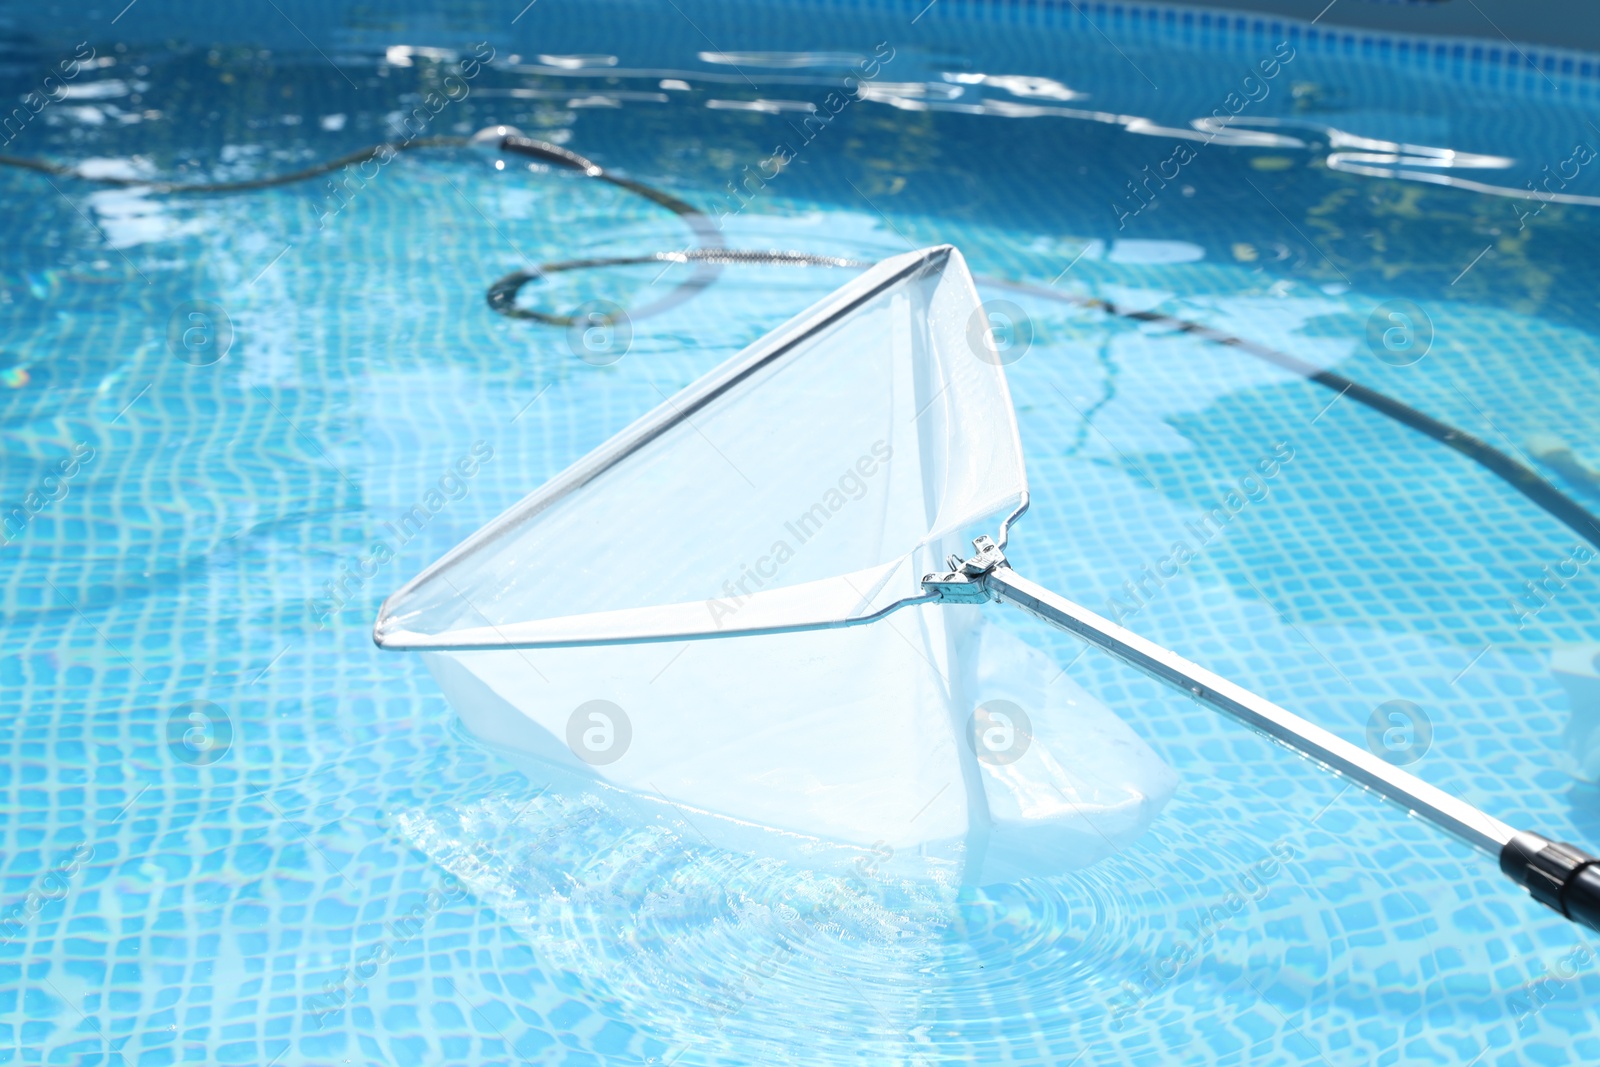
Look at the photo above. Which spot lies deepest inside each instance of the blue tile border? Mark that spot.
(1537, 70)
(1541, 69)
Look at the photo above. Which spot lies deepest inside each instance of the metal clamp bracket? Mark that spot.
(965, 580)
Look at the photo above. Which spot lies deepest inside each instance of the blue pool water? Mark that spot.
(347, 877)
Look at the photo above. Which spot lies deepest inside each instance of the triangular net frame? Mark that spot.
(806, 485)
(809, 482)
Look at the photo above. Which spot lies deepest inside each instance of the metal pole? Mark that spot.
(1560, 876)
(1454, 816)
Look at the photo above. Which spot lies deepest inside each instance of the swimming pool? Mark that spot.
(331, 869)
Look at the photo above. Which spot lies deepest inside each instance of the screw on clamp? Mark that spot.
(963, 581)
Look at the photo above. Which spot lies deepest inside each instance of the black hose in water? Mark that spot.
(710, 255)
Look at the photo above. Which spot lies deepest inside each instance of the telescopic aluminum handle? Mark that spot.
(1560, 876)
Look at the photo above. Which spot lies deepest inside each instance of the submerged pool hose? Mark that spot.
(710, 255)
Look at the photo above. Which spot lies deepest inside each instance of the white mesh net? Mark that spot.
(809, 482)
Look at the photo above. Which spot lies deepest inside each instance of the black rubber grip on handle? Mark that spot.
(1559, 876)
